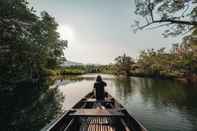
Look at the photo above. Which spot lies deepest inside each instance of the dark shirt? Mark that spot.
(100, 91)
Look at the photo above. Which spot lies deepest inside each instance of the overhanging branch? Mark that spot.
(194, 23)
(170, 21)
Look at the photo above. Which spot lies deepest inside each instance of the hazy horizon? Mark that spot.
(99, 31)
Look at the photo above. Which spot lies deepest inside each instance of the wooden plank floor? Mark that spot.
(97, 124)
(97, 113)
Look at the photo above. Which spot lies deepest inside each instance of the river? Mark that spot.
(160, 105)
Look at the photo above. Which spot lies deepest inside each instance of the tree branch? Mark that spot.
(165, 24)
(194, 23)
(150, 8)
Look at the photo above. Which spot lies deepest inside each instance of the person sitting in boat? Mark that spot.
(99, 88)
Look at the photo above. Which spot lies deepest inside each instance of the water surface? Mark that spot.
(160, 105)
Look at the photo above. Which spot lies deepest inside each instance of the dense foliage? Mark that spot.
(180, 61)
(73, 70)
(123, 65)
(178, 17)
(82, 69)
(29, 45)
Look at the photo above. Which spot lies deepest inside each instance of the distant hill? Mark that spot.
(71, 63)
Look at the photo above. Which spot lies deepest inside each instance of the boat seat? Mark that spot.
(94, 100)
(96, 113)
(97, 124)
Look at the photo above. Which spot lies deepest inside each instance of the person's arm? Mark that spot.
(105, 84)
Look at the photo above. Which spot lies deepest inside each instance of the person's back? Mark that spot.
(99, 87)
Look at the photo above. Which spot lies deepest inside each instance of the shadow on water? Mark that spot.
(29, 107)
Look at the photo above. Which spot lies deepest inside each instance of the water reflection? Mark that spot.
(27, 108)
(172, 96)
(124, 87)
(161, 105)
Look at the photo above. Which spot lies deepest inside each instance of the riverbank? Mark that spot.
(184, 79)
(80, 70)
(61, 73)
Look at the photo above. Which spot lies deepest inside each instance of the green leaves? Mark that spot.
(181, 60)
(28, 44)
(123, 65)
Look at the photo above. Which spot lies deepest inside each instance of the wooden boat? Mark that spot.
(91, 115)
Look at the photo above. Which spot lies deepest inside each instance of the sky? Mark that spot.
(100, 30)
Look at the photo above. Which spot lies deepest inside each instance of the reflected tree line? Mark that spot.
(123, 86)
(29, 108)
(161, 93)
(166, 91)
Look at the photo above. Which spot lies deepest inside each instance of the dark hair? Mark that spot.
(99, 78)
